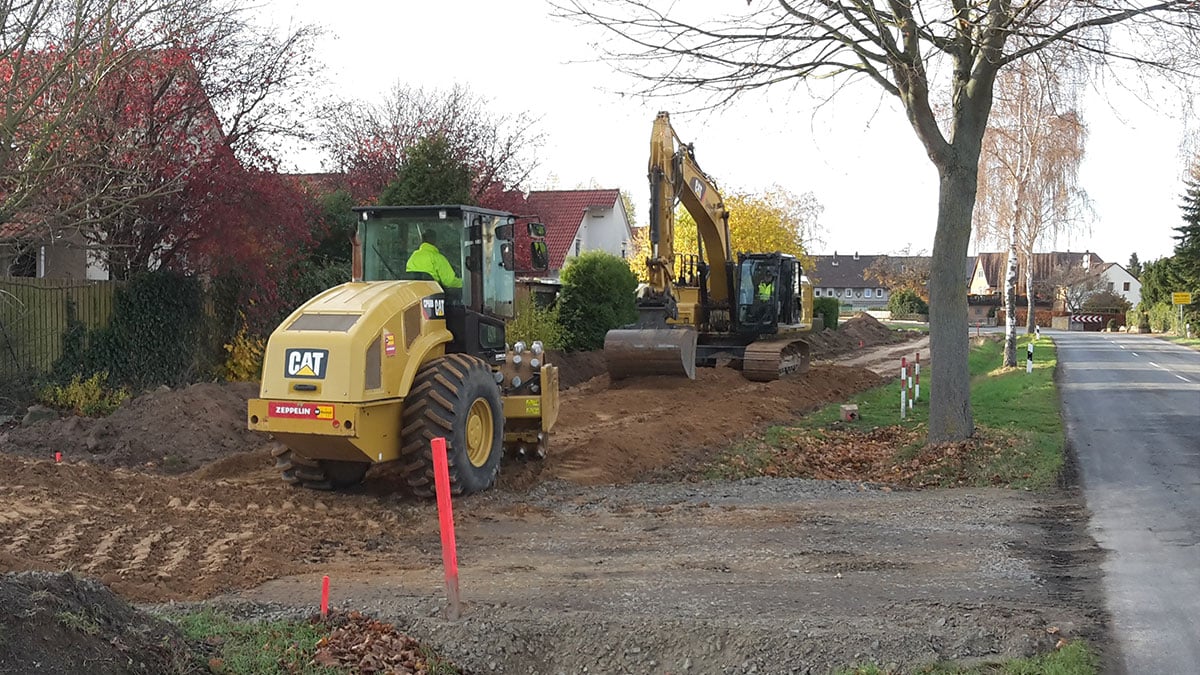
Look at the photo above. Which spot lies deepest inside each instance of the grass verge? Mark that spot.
(1074, 658)
(1018, 443)
(312, 647)
(1193, 342)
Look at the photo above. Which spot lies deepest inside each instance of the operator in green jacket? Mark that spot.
(429, 259)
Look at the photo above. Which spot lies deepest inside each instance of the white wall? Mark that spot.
(605, 230)
(1118, 276)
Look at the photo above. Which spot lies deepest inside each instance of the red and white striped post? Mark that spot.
(903, 387)
(917, 388)
(441, 478)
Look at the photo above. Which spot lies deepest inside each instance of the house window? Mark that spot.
(578, 244)
(1110, 285)
(816, 292)
(849, 292)
(624, 249)
(1126, 285)
(879, 292)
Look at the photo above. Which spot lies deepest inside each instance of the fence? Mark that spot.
(33, 316)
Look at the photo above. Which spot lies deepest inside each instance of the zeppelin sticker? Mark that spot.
(300, 411)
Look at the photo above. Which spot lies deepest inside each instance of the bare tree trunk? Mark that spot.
(1031, 321)
(950, 395)
(1010, 303)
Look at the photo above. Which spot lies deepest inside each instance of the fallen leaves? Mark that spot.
(891, 455)
(361, 644)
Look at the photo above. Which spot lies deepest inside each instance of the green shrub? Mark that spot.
(91, 397)
(905, 301)
(1162, 317)
(535, 323)
(827, 309)
(597, 296)
(153, 337)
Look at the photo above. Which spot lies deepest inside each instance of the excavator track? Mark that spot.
(769, 360)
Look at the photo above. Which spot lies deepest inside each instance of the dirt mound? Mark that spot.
(168, 430)
(575, 368)
(58, 623)
(654, 426)
(858, 332)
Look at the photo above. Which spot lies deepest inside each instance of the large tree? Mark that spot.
(924, 54)
(1187, 249)
(1029, 173)
(165, 160)
(369, 140)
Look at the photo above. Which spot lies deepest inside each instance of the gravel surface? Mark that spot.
(755, 576)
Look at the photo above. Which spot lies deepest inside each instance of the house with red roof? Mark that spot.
(578, 221)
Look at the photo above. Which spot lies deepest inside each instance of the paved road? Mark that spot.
(1132, 407)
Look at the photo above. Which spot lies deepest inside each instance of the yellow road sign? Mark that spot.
(1181, 298)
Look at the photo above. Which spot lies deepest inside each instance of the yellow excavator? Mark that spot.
(372, 370)
(706, 307)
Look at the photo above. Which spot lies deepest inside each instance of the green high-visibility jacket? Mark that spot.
(764, 291)
(429, 260)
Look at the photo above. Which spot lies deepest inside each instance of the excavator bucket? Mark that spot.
(633, 352)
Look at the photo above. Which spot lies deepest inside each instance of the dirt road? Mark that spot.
(769, 576)
(598, 558)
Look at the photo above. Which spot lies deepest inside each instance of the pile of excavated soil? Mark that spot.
(658, 427)
(576, 367)
(167, 430)
(58, 623)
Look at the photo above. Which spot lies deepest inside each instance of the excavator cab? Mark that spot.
(768, 292)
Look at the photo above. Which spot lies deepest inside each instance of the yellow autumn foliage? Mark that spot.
(775, 220)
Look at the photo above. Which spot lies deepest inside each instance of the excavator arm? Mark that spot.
(654, 346)
(675, 177)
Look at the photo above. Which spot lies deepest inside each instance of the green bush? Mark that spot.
(597, 296)
(91, 397)
(905, 301)
(827, 309)
(153, 337)
(535, 323)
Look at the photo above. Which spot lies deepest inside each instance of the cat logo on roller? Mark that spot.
(308, 363)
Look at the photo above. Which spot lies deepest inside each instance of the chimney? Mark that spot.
(856, 255)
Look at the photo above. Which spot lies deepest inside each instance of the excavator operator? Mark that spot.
(428, 259)
(763, 308)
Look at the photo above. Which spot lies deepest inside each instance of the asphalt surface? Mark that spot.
(1132, 409)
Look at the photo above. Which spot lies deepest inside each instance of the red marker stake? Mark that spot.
(325, 597)
(441, 476)
(57, 457)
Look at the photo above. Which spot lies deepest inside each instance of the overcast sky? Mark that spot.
(857, 155)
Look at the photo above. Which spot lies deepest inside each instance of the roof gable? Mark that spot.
(562, 211)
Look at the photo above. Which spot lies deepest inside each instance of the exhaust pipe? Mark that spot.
(356, 258)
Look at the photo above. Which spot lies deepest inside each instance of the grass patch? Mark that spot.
(1074, 658)
(1018, 443)
(250, 647)
(1193, 342)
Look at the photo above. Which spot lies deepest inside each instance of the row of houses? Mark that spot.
(850, 279)
(595, 220)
